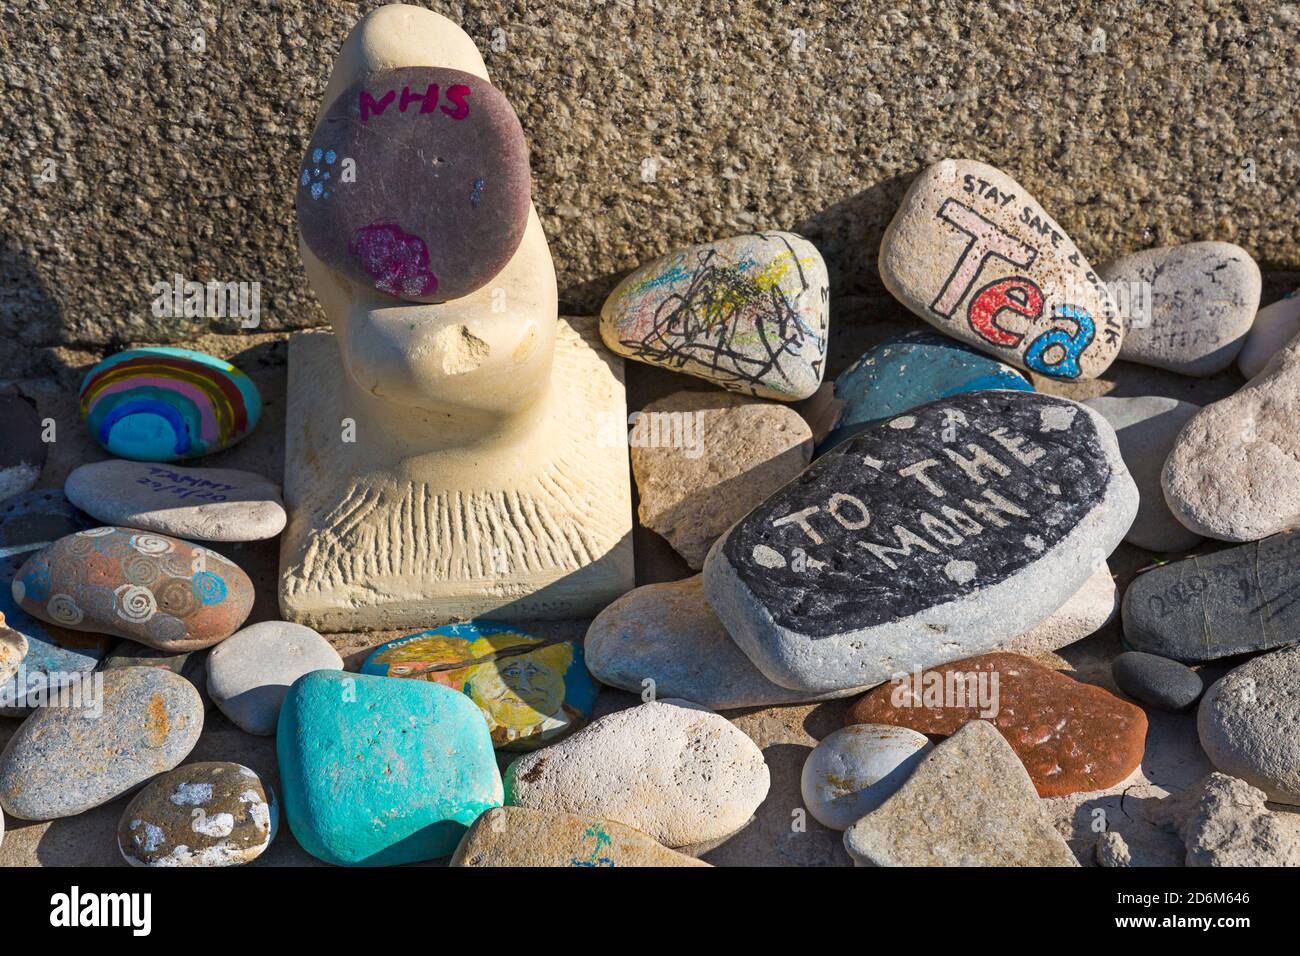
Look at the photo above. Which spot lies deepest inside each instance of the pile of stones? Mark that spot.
(922, 534)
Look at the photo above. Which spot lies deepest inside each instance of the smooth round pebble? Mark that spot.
(1249, 724)
(1156, 681)
(150, 588)
(202, 814)
(854, 770)
(198, 504)
(669, 768)
(65, 760)
(165, 404)
(250, 672)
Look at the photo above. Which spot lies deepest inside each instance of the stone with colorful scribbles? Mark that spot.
(160, 591)
(532, 691)
(748, 313)
(416, 183)
(379, 772)
(520, 836)
(165, 404)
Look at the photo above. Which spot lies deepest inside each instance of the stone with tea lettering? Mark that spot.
(749, 313)
(1186, 308)
(1147, 427)
(1234, 472)
(1235, 601)
(1072, 737)
(976, 256)
(22, 452)
(932, 536)
(702, 460)
(198, 504)
(416, 183)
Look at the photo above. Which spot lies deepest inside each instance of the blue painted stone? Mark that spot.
(378, 772)
(909, 370)
(530, 698)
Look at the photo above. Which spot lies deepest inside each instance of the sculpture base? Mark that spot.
(373, 545)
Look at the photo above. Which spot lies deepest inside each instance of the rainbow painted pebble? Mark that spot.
(531, 691)
(160, 591)
(165, 404)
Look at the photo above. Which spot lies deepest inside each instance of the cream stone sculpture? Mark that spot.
(450, 445)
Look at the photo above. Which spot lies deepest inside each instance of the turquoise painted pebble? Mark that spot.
(165, 404)
(379, 772)
(65, 760)
(909, 370)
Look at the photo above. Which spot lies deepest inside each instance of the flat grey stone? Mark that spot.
(930, 537)
(969, 803)
(1189, 306)
(1234, 472)
(66, 760)
(198, 504)
(666, 637)
(856, 769)
(1235, 601)
(250, 672)
(1248, 724)
(1156, 681)
(1147, 428)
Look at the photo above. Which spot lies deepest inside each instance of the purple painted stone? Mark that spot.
(440, 193)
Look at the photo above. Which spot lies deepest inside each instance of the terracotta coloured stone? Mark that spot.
(159, 591)
(1072, 737)
(416, 183)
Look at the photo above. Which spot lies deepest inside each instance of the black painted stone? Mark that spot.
(1156, 681)
(22, 453)
(1236, 601)
(857, 588)
(441, 192)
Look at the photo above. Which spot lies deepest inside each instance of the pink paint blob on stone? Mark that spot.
(395, 259)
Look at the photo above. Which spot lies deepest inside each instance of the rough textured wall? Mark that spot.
(132, 155)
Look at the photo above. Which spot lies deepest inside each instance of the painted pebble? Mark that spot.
(531, 691)
(933, 536)
(165, 404)
(1072, 737)
(666, 637)
(1156, 681)
(13, 648)
(22, 452)
(748, 313)
(856, 769)
(1147, 428)
(60, 763)
(1275, 325)
(968, 803)
(703, 460)
(198, 504)
(1186, 308)
(416, 183)
(909, 370)
(972, 253)
(150, 588)
(1247, 724)
(354, 749)
(250, 672)
(669, 768)
(518, 836)
(1235, 601)
(1234, 472)
(201, 814)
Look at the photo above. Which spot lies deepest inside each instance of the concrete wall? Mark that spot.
(130, 155)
